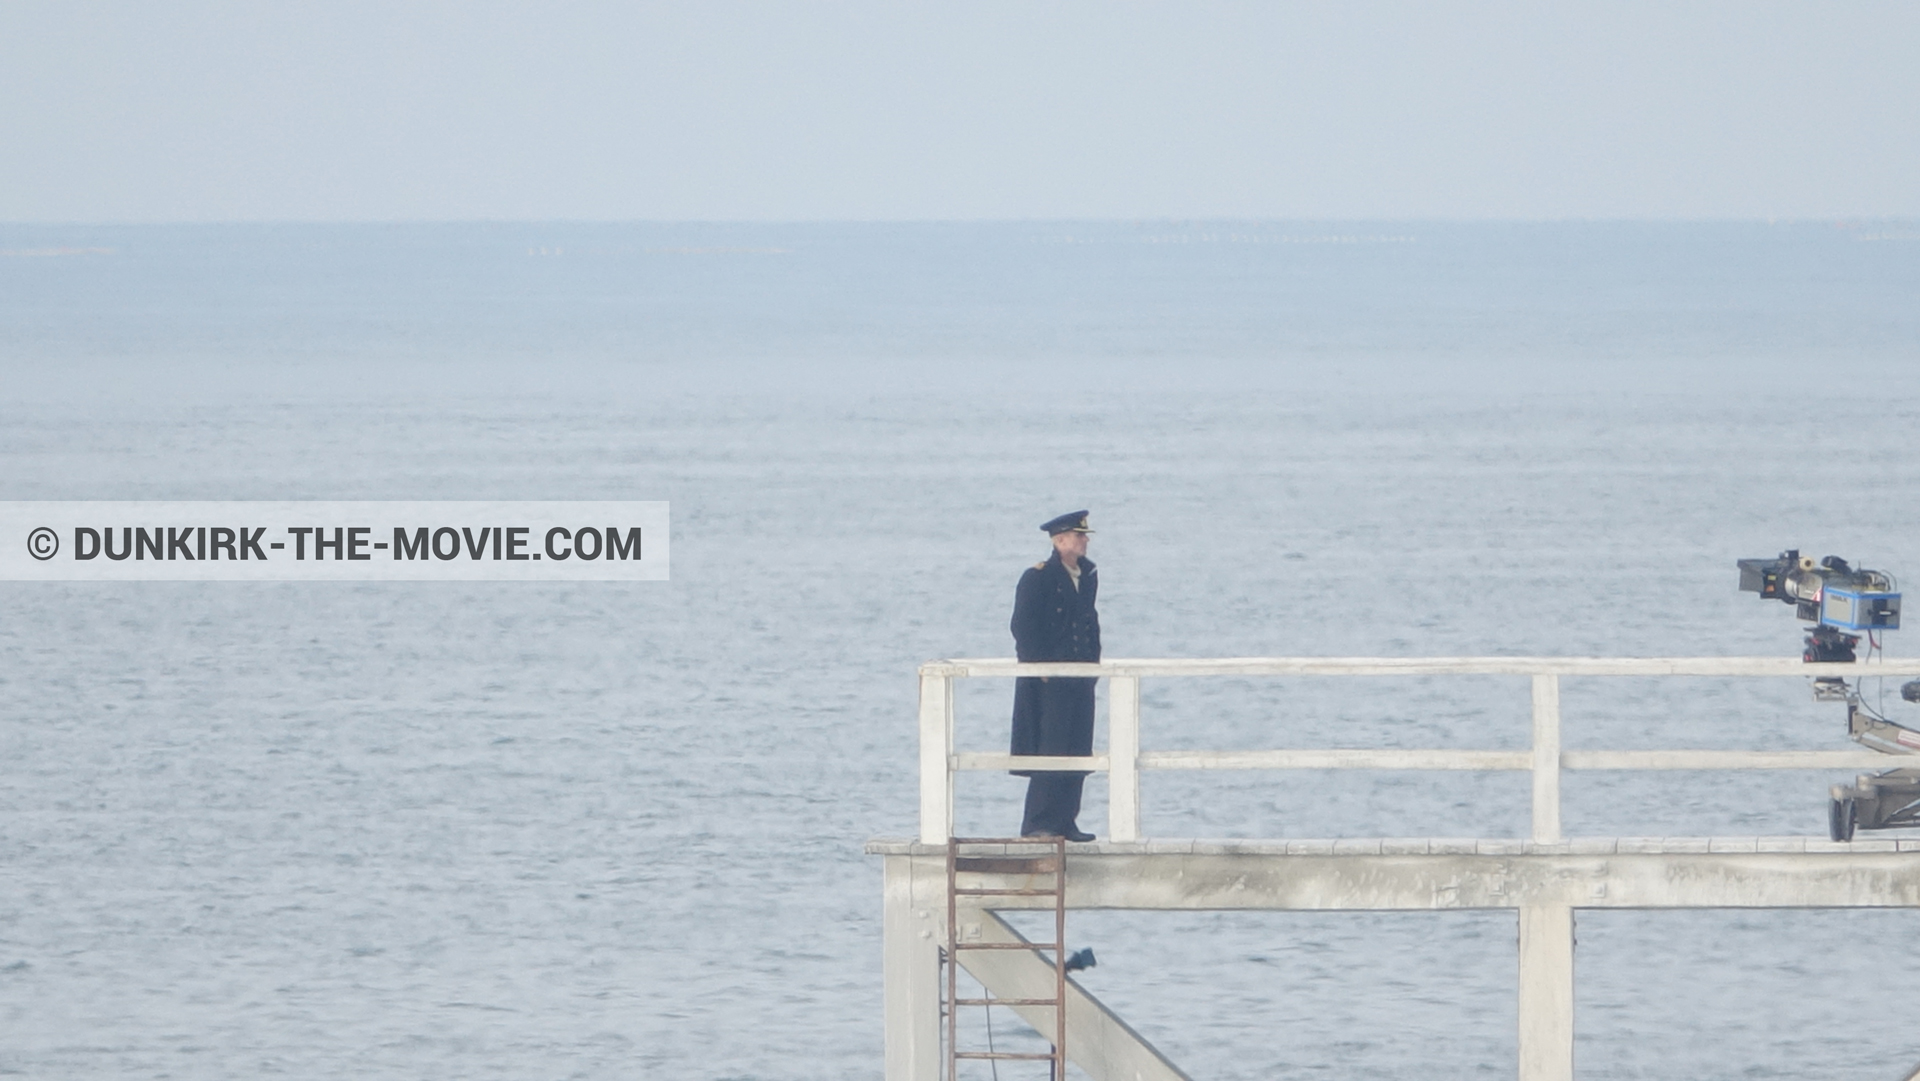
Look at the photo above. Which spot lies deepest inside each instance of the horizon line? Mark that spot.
(1840, 220)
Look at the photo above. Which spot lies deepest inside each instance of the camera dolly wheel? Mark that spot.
(1842, 815)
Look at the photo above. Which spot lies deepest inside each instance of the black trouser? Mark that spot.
(1053, 802)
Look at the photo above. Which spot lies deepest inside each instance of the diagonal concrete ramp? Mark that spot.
(1097, 1041)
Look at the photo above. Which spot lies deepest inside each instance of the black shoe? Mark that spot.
(1039, 835)
(1078, 835)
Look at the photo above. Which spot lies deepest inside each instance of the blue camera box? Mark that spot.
(1859, 610)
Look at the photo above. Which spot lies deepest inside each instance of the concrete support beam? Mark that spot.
(1369, 876)
(1097, 1040)
(1546, 993)
(912, 928)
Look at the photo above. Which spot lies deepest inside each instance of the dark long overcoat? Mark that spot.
(1053, 621)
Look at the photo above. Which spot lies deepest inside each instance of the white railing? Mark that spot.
(1124, 759)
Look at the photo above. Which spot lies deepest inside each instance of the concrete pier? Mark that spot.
(1545, 879)
(1546, 885)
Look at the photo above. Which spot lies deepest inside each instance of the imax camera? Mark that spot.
(1845, 604)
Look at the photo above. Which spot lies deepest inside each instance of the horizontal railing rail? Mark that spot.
(1124, 759)
(1425, 666)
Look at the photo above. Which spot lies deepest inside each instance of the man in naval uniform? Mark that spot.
(1054, 620)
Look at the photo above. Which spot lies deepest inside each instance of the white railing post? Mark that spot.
(1546, 758)
(936, 758)
(1123, 758)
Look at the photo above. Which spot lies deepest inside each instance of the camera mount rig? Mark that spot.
(1836, 598)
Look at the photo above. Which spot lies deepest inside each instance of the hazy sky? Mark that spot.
(355, 111)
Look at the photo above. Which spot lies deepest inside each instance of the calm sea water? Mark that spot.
(615, 831)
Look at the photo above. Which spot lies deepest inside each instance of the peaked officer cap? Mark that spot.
(1072, 522)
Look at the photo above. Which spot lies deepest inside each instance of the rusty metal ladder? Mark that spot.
(1008, 856)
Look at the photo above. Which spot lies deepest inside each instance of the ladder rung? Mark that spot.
(1005, 865)
(1005, 946)
(1034, 1056)
(1006, 893)
(1006, 1002)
